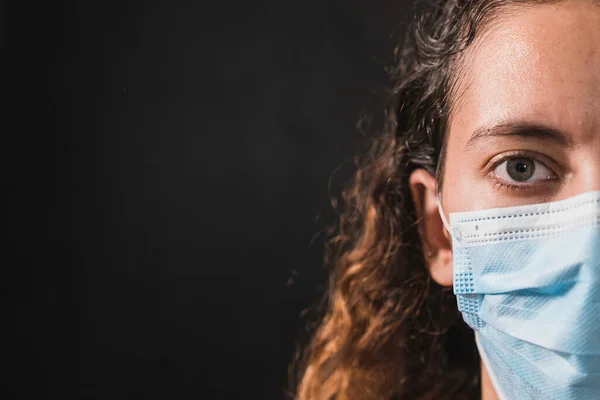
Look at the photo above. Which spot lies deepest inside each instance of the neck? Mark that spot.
(487, 388)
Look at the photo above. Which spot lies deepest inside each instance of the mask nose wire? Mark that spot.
(441, 211)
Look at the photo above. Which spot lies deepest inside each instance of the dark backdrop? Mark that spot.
(166, 168)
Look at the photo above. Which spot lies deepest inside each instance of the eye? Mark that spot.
(522, 170)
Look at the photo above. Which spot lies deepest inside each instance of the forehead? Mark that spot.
(540, 63)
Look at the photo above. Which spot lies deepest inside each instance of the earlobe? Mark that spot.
(435, 242)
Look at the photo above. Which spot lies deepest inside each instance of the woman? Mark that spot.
(494, 126)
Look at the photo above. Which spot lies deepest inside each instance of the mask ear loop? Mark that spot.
(439, 201)
(442, 215)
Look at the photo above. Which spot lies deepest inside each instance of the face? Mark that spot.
(526, 126)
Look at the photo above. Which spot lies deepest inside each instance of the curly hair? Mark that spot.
(389, 331)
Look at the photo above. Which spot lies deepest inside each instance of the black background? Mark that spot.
(166, 167)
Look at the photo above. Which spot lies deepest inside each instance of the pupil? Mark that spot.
(520, 169)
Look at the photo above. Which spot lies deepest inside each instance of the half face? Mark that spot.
(526, 123)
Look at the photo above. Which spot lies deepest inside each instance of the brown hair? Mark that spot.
(389, 331)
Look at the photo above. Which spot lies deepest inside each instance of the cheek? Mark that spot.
(460, 191)
(466, 187)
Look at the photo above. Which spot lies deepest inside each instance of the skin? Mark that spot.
(537, 65)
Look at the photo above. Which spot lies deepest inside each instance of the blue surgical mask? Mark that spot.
(527, 280)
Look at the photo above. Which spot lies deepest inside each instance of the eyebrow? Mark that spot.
(520, 129)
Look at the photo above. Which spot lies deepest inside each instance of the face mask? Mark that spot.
(527, 280)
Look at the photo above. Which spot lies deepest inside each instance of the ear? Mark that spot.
(435, 241)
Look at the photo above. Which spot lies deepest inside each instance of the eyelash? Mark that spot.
(510, 187)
